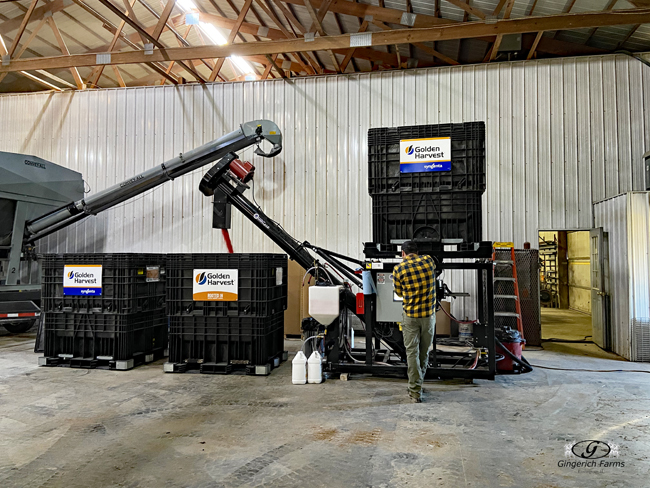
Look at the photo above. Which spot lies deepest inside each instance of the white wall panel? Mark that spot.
(560, 134)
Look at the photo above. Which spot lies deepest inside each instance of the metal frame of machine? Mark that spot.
(227, 185)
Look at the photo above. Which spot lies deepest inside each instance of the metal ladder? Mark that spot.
(498, 277)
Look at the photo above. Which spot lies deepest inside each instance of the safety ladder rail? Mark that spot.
(516, 297)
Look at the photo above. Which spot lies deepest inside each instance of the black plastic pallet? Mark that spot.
(238, 341)
(110, 337)
(262, 280)
(125, 288)
(138, 359)
(468, 167)
(226, 368)
(435, 216)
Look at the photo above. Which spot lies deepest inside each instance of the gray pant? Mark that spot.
(418, 336)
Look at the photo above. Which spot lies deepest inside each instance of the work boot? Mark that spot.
(415, 397)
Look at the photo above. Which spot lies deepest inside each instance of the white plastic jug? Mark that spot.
(315, 368)
(299, 369)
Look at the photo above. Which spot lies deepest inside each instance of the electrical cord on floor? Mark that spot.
(569, 341)
(593, 370)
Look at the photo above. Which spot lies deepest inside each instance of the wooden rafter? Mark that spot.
(627, 36)
(145, 34)
(164, 17)
(468, 8)
(38, 14)
(26, 44)
(118, 75)
(231, 37)
(171, 65)
(422, 46)
(389, 37)
(113, 28)
(317, 18)
(21, 29)
(313, 67)
(65, 52)
(608, 8)
(384, 14)
(350, 53)
(497, 42)
(538, 38)
(97, 72)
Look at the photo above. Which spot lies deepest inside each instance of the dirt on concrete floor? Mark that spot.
(62, 427)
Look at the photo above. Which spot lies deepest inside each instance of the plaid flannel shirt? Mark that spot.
(414, 279)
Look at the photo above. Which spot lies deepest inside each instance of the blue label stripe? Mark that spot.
(86, 292)
(425, 167)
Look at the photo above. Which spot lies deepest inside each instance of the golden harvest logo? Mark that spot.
(409, 150)
(215, 285)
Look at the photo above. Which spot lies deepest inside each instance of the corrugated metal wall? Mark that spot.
(627, 220)
(560, 135)
(611, 215)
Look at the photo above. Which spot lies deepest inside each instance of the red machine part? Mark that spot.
(507, 364)
(360, 303)
(244, 171)
(226, 238)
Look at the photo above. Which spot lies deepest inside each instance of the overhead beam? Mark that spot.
(26, 44)
(361, 10)
(422, 46)
(97, 72)
(610, 6)
(231, 37)
(145, 34)
(310, 66)
(468, 8)
(64, 51)
(164, 17)
(348, 56)
(316, 23)
(21, 29)
(401, 36)
(113, 28)
(38, 14)
(538, 38)
(497, 42)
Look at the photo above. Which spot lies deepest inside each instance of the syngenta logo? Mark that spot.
(409, 150)
(214, 279)
(201, 279)
(71, 274)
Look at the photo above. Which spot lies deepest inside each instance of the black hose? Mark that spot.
(521, 362)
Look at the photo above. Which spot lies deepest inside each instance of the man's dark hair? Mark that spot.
(410, 247)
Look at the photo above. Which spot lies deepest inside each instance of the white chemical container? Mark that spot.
(299, 369)
(324, 303)
(315, 368)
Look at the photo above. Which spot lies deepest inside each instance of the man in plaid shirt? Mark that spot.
(414, 280)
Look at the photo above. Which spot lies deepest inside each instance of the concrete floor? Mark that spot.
(73, 428)
(570, 325)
